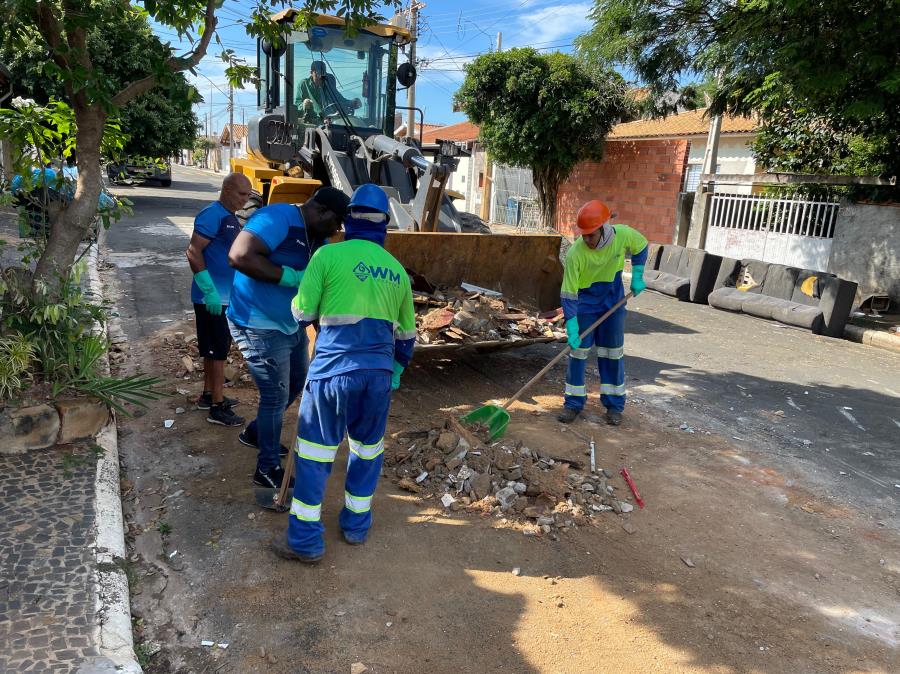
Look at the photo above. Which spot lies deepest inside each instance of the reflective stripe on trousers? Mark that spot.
(572, 390)
(358, 504)
(304, 511)
(315, 452)
(364, 451)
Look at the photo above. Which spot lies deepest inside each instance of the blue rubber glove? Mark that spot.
(637, 279)
(211, 297)
(395, 378)
(290, 278)
(572, 332)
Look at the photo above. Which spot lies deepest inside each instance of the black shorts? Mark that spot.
(213, 335)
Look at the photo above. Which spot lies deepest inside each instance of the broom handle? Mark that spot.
(565, 352)
(286, 480)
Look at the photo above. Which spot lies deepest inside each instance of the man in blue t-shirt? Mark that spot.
(215, 229)
(270, 255)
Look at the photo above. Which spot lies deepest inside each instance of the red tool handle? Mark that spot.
(637, 497)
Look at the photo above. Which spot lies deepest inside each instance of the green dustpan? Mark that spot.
(495, 418)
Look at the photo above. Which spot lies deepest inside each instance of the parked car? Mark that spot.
(140, 170)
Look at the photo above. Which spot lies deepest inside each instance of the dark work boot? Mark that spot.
(280, 547)
(568, 415)
(613, 418)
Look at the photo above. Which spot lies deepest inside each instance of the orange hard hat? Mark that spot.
(592, 215)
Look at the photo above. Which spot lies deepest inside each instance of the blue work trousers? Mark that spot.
(356, 403)
(608, 341)
(278, 364)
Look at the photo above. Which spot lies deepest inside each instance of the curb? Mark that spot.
(116, 642)
(879, 338)
(202, 170)
(115, 639)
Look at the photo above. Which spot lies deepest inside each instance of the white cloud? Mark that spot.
(550, 24)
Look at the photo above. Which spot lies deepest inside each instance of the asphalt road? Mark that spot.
(826, 410)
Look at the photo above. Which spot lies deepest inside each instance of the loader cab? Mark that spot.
(345, 80)
(339, 80)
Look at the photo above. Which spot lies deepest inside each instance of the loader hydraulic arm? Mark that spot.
(426, 206)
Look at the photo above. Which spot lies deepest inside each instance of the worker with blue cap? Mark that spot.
(361, 298)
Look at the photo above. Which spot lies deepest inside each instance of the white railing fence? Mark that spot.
(783, 215)
(794, 231)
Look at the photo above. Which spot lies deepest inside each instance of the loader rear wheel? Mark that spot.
(472, 224)
(253, 203)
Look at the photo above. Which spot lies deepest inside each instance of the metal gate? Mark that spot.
(514, 198)
(794, 231)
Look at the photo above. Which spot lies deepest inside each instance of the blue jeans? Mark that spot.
(278, 365)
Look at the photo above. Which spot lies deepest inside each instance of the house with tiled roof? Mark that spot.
(465, 184)
(648, 163)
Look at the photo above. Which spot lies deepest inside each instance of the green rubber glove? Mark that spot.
(211, 297)
(637, 279)
(572, 332)
(290, 278)
(395, 378)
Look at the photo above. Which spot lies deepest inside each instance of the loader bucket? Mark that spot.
(524, 268)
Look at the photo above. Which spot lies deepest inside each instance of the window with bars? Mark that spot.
(692, 176)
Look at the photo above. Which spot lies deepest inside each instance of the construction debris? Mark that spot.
(540, 492)
(454, 316)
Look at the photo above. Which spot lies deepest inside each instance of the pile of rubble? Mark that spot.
(545, 493)
(180, 353)
(446, 316)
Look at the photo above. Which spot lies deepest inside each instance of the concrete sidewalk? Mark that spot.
(64, 602)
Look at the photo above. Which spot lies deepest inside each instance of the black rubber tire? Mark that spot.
(253, 203)
(472, 224)
(166, 182)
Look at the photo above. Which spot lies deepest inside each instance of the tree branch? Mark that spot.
(174, 63)
(51, 32)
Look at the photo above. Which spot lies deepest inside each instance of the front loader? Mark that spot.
(327, 116)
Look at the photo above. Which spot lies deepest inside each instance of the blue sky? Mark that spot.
(449, 38)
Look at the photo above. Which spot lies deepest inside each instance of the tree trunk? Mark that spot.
(72, 223)
(547, 181)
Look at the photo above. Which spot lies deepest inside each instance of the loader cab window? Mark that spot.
(262, 88)
(338, 78)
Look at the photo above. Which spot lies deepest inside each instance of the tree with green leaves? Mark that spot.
(831, 67)
(546, 112)
(62, 28)
(158, 123)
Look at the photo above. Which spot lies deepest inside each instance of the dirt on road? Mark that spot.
(733, 566)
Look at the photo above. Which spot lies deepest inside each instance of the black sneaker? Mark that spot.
(271, 479)
(568, 415)
(614, 418)
(280, 547)
(204, 402)
(223, 416)
(244, 440)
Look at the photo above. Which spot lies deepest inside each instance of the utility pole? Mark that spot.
(487, 183)
(696, 236)
(411, 91)
(230, 124)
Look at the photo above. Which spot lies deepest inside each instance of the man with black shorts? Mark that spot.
(215, 229)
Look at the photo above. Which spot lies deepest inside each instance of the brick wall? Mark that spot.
(638, 180)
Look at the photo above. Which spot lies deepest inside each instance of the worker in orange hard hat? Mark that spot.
(592, 284)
